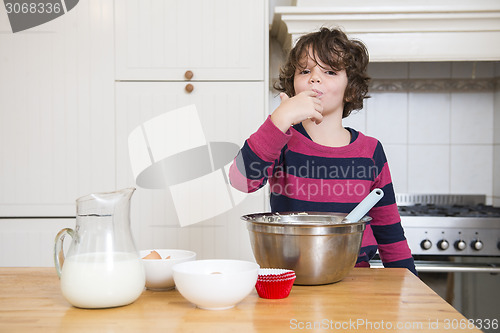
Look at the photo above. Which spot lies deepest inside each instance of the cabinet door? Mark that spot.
(57, 112)
(215, 39)
(228, 112)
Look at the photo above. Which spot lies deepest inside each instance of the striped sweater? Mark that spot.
(306, 176)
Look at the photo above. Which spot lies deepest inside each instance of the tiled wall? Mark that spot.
(441, 140)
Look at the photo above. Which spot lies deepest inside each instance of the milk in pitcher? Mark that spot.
(100, 280)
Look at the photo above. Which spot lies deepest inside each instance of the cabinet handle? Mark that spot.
(188, 75)
(189, 88)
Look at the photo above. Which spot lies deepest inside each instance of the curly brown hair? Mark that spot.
(336, 50)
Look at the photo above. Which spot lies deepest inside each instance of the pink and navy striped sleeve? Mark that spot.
(256, 160)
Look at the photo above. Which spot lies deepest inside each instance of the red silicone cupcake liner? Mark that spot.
(274, 283)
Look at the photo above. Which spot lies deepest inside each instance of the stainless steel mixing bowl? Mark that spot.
(321, 248)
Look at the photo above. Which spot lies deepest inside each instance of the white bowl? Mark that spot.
(216, 284)
(159, 274)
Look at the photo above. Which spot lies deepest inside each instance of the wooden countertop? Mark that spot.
(367, 300)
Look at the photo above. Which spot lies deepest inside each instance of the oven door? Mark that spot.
(456, 266)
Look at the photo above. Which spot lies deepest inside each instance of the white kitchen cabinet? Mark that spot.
(229, 112)
(217, 40)
(72, 89)
(57, 111)
(224, 44)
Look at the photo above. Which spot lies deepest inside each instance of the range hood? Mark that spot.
(395, 30)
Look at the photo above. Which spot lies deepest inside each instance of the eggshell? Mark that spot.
(152, 255)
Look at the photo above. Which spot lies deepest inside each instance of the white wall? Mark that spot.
(436, 142)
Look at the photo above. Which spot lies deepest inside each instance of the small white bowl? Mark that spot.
(216, 284)
(159, 274)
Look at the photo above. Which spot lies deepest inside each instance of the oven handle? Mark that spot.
(447, 267)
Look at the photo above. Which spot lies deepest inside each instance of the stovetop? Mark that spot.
(479, 210)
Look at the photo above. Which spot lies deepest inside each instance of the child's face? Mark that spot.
(330, 84)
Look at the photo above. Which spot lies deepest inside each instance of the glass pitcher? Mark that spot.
(102, 267)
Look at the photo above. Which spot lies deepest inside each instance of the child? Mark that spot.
(311, 161)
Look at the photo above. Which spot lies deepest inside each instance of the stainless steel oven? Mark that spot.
(455, 240)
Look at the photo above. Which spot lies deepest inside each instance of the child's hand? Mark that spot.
(297, 109)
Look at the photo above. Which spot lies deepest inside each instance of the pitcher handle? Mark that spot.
(59, 249)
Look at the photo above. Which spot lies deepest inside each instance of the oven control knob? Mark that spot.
(460, 245)
(426, 244)
(443, 244)
(477, 245)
